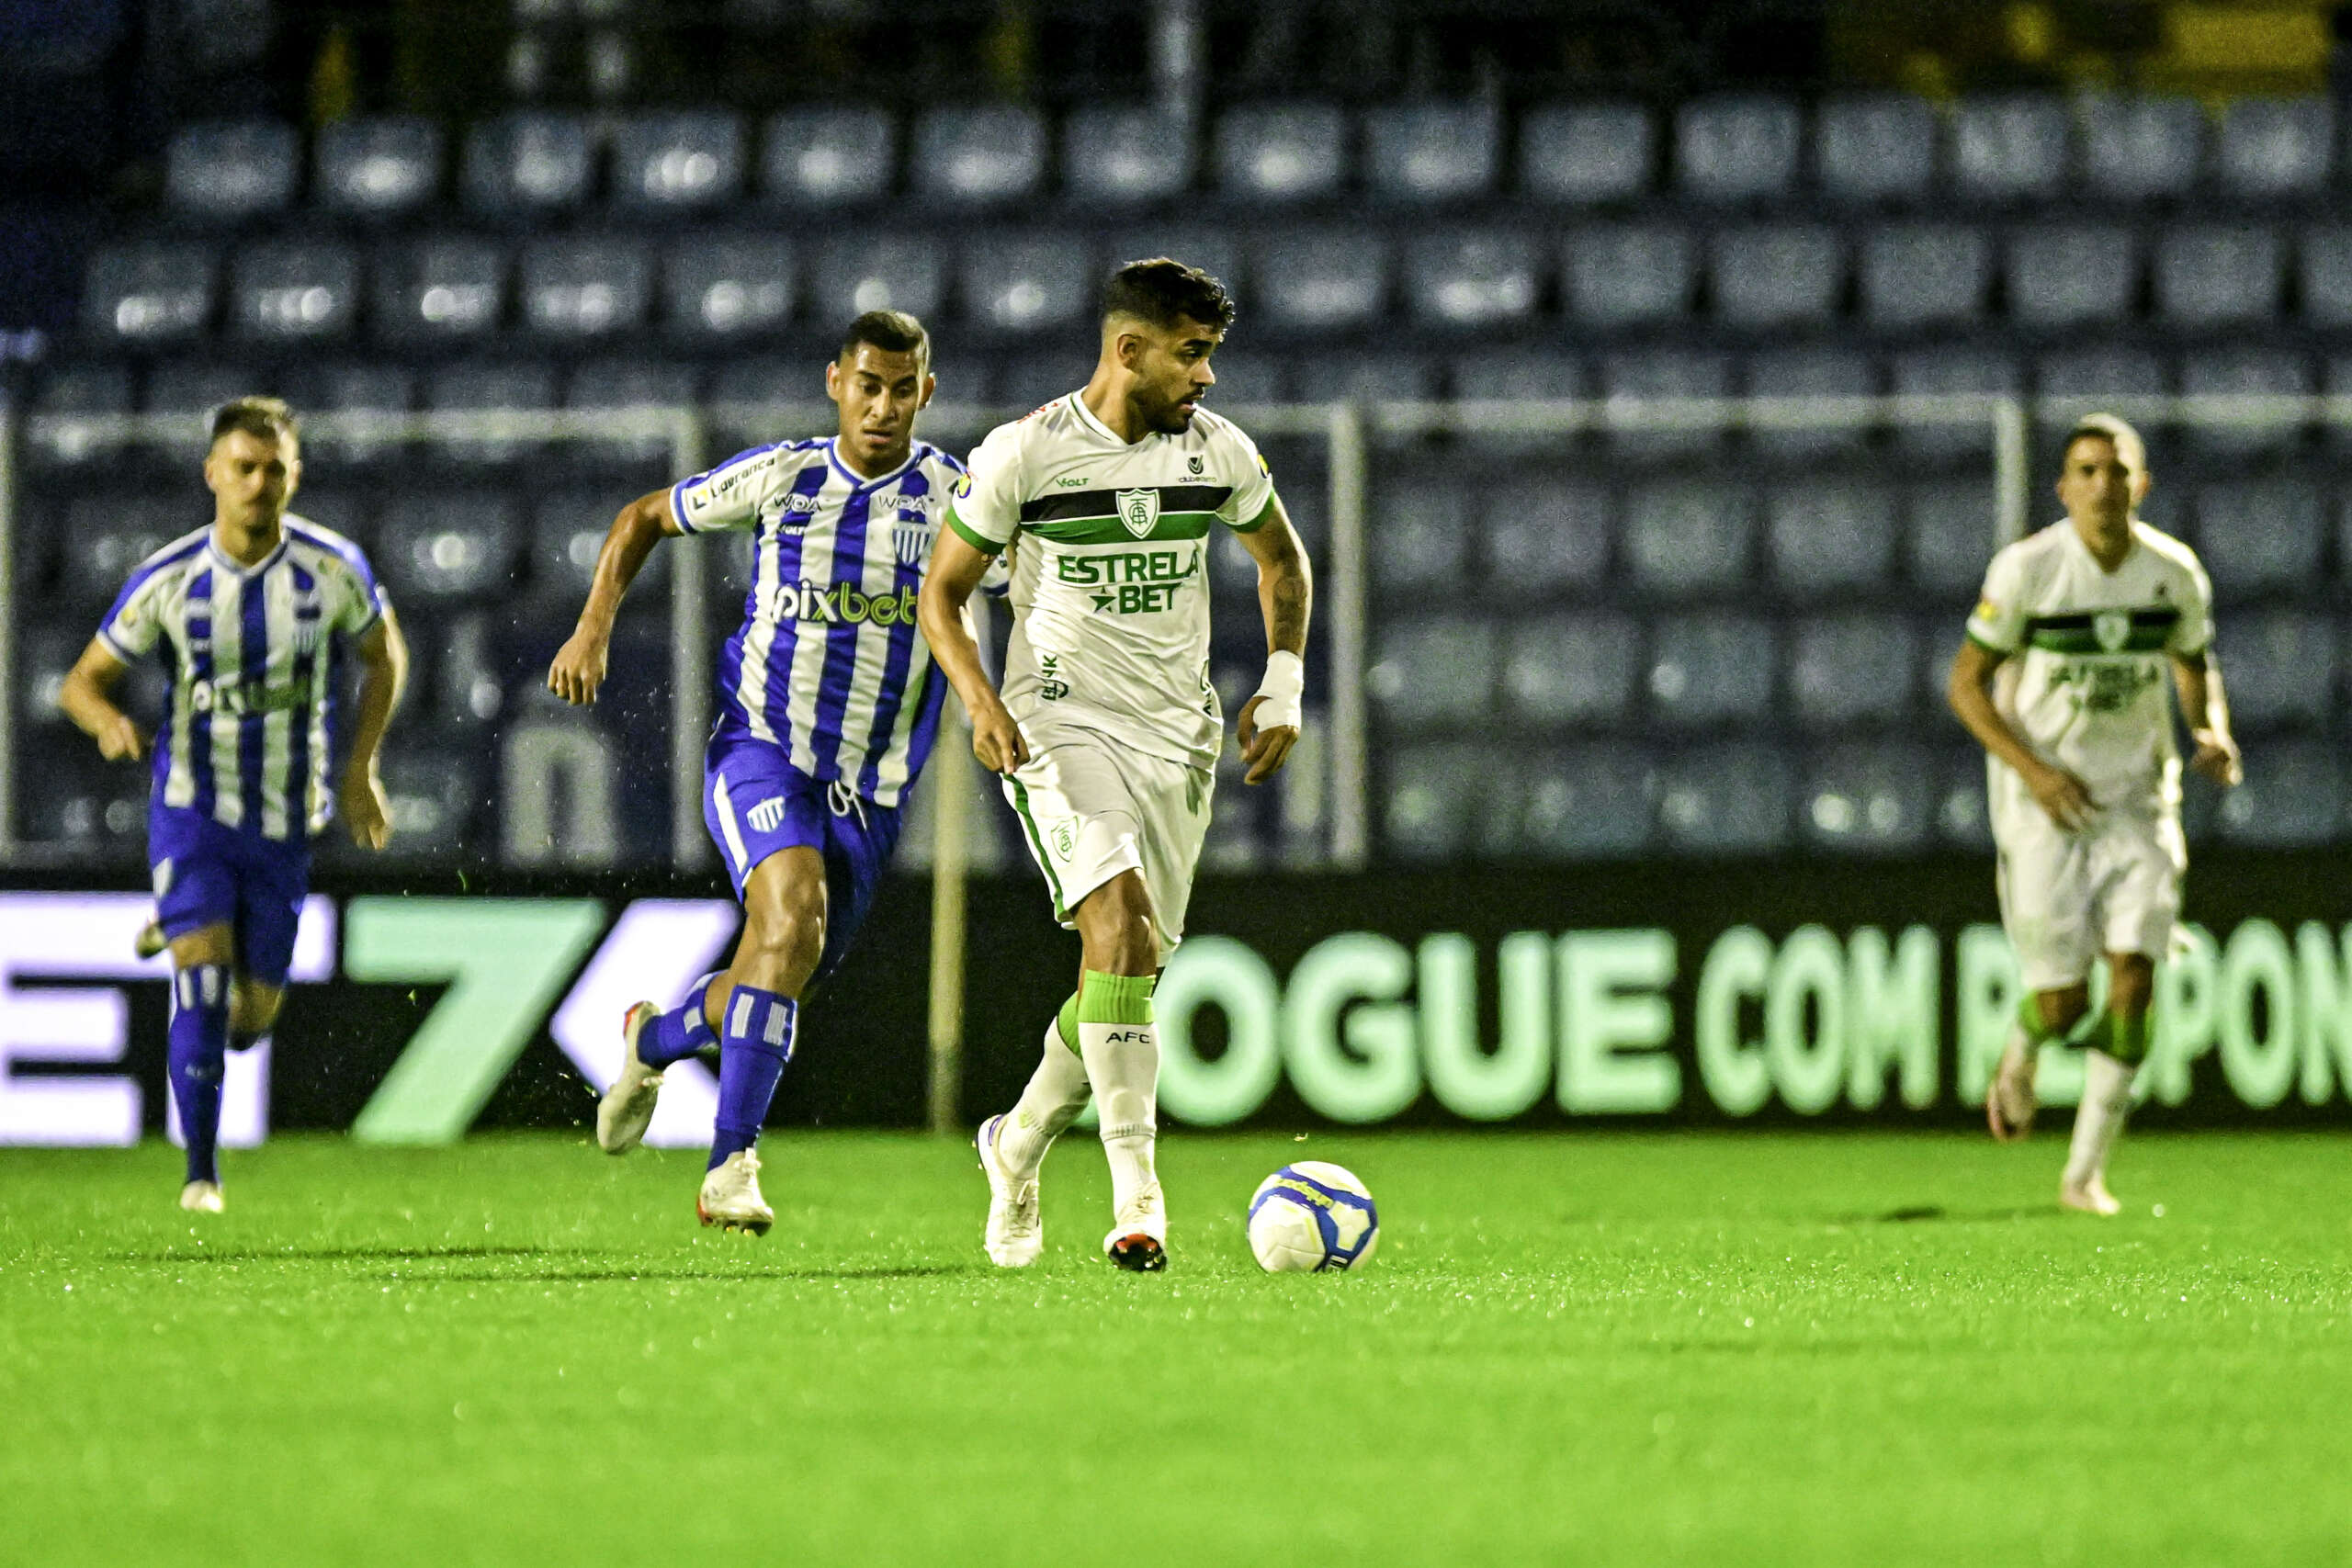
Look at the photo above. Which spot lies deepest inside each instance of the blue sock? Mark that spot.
(680, 1033)
(752, 1049)
(199, 1054)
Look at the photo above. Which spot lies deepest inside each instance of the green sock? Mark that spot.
(1114, 998)
(2029, 1019)
(1066, 1022)
(2126, 1039)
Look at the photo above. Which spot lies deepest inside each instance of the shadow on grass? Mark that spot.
(626, 1276)
(1919, 1213)
(352, 1254)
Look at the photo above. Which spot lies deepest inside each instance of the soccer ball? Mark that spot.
(1311, 1216)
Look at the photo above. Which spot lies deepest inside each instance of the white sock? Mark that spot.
(1056, 1093)
(2107, 1100)
(1123, 1061)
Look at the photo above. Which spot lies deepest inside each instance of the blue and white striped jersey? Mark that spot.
(249, 736)
(827, 663)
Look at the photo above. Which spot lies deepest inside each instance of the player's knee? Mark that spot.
(1114, 923)
(788, 939)
(2062, 1010)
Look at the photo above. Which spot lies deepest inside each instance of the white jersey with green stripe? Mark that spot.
(2091, 651)
(1109, 543)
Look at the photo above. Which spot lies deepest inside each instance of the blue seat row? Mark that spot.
(1897, 277)
(1744, 148)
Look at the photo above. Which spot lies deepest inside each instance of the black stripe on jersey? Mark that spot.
(1079, 505)
(2160, 616)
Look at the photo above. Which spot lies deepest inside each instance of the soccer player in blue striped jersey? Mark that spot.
(827, 707)
(250, 614)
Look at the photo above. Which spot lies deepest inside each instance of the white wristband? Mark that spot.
(1283, 688)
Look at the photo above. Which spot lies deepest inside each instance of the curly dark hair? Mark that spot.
(1164, 292)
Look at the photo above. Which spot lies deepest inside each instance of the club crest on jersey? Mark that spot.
(1140, 510)
(911, 542)
(2112, 628)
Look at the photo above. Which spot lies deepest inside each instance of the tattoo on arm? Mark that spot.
(1286, 609)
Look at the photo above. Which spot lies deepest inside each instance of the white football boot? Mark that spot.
(1016, 1230)
(2090, 1197)
(201, 1197)
(626, 1109)
(1138, 1243)
(730, 1196)
(2009, 1102)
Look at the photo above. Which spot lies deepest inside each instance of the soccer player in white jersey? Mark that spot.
(247, 613)
(827, 712)
(1108, 729)
(2062, 679)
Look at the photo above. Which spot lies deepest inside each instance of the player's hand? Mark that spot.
(366, 812)
(120, 742)
(2217, 758)
(2066, 798)
(579, 667)
(997, 741)
(1265, 750)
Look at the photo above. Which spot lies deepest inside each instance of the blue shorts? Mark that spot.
(756, 803)
(210, 875)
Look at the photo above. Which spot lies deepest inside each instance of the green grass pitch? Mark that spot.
(1640, 1350)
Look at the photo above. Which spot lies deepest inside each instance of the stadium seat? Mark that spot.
(1471, 279)
(1688, 537)
(1925, 274)
(433, 795)
(1620, 276)
(585, 286)
(1869, 797)
(1850, 669)
(2272, 148)
(2009, 148)
(1117, 156)
(231, 171)
(568, 529)
(1545, 534)
(1942, 372)
(1827, 534)
(853, 274)
(1435, 152)
(1948, 540)
(442, 291)
(1586, 155)
(44, 653)
(1241, 378)
(1663, 374)
(340, 507)
(2292, 796)
(2114, 377)
(1736, 149)
(389, 168)
(1033, 381)
(1031, 280)
(681, 160)
(2247, 372)
(106, 536)
(526, 165)
(2280, 666)
(1282, 152)
(143, 295)
(2072, 276)
(2141, 149)
(1730, 799)
(1429, 802)
(372, 390)
(1962, 817)
(294, 291)
(1366, 376)
(1513, 374)
(627, 381)
(1825, 372)
(87, 808)
(2261, 537)
(1423, 528)
(1711, 667)
(1588, 802)
(981, 155)
(1876, 148)
(488, 389)
(827, 157)
(2325, 274)
(1786, 276)
(186, 392)
(2214, 276)
(1436, 671)
(450, 548)
(728, 289)
(1321, 280)
(71, 404)
(1563, 669)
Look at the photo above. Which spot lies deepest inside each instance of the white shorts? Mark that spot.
(1091, 807)
(2067, 898)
